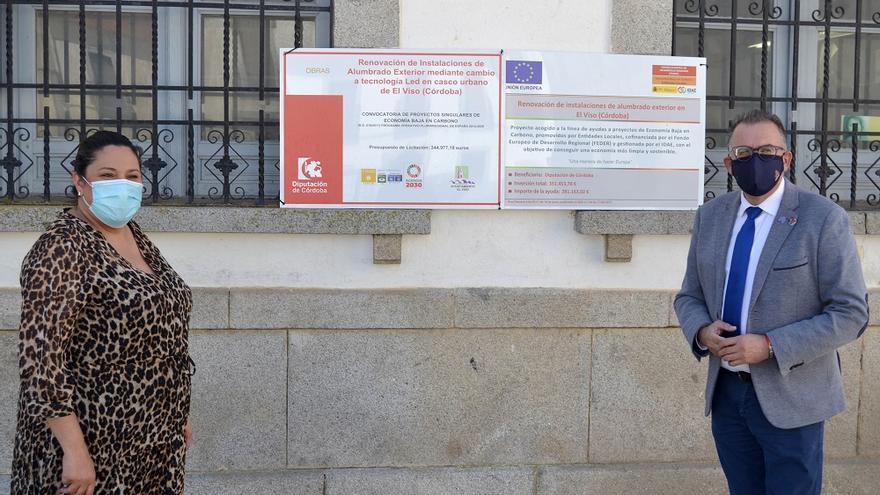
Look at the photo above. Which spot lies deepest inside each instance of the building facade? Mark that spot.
(431, 352)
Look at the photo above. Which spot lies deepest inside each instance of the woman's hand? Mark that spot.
(77, 469)
(188, 433)
(78, 473)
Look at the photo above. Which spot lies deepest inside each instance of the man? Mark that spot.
(773, 288)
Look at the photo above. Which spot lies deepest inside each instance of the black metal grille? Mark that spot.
(815, 63)
(192, 153)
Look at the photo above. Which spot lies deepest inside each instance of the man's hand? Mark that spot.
(744, 349)
(710, 335)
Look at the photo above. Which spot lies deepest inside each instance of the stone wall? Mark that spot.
(424, 384)
(441, 391)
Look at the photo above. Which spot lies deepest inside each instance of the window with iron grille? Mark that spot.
(815, 63)
(193, 83)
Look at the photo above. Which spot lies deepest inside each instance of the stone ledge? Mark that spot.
(210, 308)
(841, 477)
(627, 222)
(656, 479)
(483, 307)
(254, 220)
(560, 308)
(215, 219)
(341, 308)
(435, 481)
(272, 482)
(618, 227)
(447, 308)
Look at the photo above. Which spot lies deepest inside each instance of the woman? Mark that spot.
(104, 363)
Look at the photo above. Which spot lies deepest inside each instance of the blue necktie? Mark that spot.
(739, 268)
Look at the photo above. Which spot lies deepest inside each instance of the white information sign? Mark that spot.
(602, 131)
(390, 128)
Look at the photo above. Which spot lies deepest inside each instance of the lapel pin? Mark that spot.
(790, 220)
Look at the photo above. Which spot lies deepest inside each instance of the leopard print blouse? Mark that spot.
(106, 341)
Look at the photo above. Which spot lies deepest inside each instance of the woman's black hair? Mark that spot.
(95, 143)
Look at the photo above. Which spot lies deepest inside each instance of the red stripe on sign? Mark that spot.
(312, 149)
(674, 70)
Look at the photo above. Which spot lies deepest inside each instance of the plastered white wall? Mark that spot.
(575, 25)
(464, 249)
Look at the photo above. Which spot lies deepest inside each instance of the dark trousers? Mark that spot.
(757, 457)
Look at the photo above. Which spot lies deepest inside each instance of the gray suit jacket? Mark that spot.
(809, 296)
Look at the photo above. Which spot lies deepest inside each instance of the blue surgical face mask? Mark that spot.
(756, 175)
(115, 202)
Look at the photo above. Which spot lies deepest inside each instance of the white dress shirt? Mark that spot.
(763, 222)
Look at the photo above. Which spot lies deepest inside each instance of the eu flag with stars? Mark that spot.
(524, 72)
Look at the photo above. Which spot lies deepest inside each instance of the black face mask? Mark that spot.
(756, 176)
